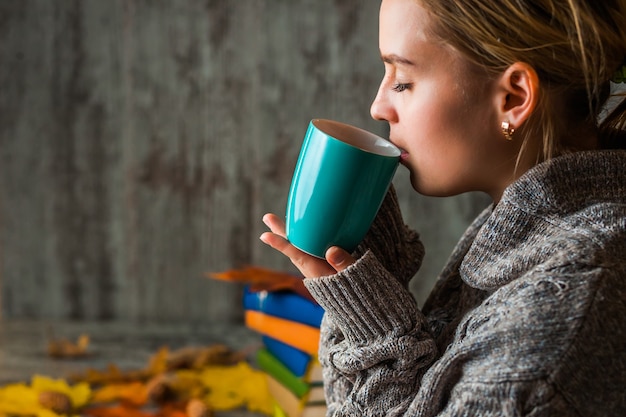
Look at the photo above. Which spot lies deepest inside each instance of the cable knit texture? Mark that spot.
(526, 319)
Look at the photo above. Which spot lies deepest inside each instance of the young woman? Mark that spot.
(528, 318)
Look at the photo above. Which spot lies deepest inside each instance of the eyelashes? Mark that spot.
(400, 87)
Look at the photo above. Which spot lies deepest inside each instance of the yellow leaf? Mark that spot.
(18, 399)
(236, 386)
(187, 384)
(158, 361)
(43, 412)
(79, 393)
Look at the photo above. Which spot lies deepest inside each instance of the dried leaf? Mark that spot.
(111, 375)
(160, 389)
(64, 348)
(79, 394)
(133, 393)
(114, 375)
(199, 357)
(263, 279)
(236, 386)
(55, 401)
(121, 410)
(19, 399)
(158, 362)
(173, 410)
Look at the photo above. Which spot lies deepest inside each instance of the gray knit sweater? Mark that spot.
(528, 318)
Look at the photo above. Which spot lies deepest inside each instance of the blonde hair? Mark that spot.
(575, 46)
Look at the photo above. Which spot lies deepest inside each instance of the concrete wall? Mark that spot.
(141, 142)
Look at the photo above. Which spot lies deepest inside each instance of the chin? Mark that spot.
(419, 186)
(431, 190)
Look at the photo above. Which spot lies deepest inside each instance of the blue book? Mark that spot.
(294, 359)
(284, 304)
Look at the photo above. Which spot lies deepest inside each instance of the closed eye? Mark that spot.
(400, 87)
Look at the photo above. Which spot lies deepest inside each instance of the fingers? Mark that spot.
(280, 243)
(309, 266)
(336, 258)
(276, 224)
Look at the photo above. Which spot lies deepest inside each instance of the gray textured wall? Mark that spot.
(141, 141)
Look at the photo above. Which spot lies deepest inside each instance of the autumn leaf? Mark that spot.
(196, 357)
(112, 374)
(63, 348)
(120, 410)
(79, 393)
(230, 387)
(174, 410)
(21, 399)
(263, 279)
(133, 393)
(158, 363)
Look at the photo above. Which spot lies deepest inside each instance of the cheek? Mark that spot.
(441, 124)
(448, 140)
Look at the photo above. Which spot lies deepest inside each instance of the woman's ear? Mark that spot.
(517, 93)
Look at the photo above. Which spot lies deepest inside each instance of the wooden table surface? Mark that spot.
(23, 346)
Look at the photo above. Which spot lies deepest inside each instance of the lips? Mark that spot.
(404, 155)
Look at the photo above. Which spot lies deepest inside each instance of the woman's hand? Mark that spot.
(336, 260)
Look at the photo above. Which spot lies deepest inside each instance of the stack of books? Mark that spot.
(289, 325)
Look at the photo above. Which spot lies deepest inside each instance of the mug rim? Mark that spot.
(357, 137)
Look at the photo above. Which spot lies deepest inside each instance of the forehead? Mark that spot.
(404, 19)
(405, 36)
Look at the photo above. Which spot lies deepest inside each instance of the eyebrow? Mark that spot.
(396, 59)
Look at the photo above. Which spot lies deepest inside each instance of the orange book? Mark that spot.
(298, 335)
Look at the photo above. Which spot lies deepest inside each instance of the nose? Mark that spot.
(381, 108)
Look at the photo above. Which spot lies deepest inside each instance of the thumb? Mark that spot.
(339, 258)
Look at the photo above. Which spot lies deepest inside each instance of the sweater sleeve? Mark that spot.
(374, 352)
(397, 247)
(513, 355)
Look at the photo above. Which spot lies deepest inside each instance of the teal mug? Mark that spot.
(340, 180)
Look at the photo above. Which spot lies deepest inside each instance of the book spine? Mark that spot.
(294, 359)
(271, 365)
(285, 399)
(300, 336)
(285, 305)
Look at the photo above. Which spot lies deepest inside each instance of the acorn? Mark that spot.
(197, 408)
(55, 401)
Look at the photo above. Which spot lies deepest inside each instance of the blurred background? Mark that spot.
(141, 141)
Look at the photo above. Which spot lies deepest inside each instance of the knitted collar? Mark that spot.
(560, 212)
